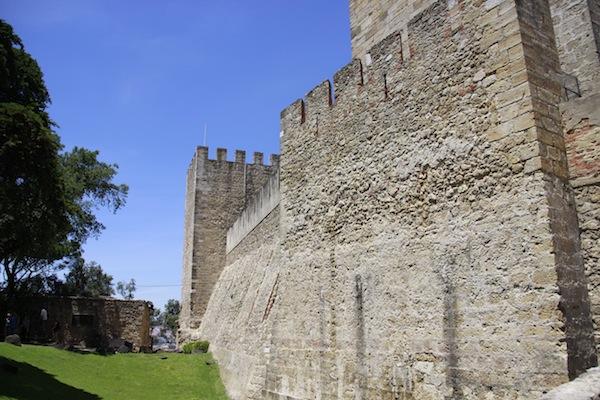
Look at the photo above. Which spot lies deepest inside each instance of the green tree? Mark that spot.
(46, 284)
(88, 185)
(170, 316)
(126, 289)
(155, 317)
(87, 279)
(21, 79)
(47, 198)
(33, 218)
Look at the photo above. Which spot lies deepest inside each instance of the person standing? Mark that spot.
(11, 324)
(44, 319)
(7, 322)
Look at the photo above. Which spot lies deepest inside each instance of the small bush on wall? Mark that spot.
(200, 346)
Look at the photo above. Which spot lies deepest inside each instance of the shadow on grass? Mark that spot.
(23, 381)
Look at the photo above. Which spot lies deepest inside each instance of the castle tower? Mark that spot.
(577, 33)
(217, 192)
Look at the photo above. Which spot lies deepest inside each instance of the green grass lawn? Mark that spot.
(50, 374)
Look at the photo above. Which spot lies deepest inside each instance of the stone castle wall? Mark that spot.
(217, 193)
(446, 278)
(576, 41)
(428, 242)
(263, 204)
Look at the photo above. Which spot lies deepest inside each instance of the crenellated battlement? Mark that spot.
(374, 72)
(202, 152)
(348, 80)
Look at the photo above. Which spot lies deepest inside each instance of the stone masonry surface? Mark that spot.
(575, 26)
(585, 387)
(263, 203)
(438, 217)
(372, 20)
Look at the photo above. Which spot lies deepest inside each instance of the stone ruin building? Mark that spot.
(101, 323)
(432, 229)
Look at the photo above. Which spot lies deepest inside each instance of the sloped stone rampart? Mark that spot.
(237, 320)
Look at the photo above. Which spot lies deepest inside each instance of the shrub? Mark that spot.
(200, 346)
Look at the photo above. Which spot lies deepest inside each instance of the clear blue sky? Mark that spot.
(138, 80)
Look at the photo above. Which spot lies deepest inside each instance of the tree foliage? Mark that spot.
(33, 217)
(88, 184)
(170, 316)
(168, 319)
(47, 197)
(21, 79)
(45, 284)
(155, 317)
(87, 280)
(126, 289)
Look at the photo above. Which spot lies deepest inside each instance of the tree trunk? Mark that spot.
(11, 285)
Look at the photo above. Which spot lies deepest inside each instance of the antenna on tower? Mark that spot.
(205, 129)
